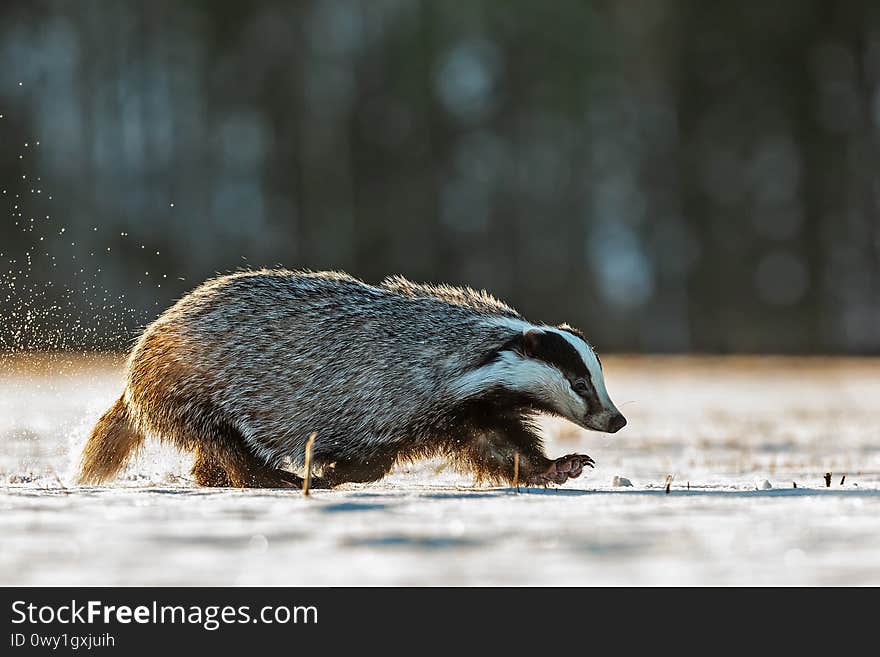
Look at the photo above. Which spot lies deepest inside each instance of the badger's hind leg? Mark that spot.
(237, 467)
(360, 471)
(223, 458)
(209, 470)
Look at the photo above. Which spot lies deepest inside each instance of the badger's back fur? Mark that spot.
(243, 369)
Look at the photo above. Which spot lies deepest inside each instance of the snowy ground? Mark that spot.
(721, 426)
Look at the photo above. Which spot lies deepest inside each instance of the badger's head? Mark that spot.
(554, 370)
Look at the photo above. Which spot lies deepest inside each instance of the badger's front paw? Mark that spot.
(563, 469)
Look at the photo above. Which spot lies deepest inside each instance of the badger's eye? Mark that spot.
(580, 386)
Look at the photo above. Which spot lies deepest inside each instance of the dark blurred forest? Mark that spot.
(670, 176)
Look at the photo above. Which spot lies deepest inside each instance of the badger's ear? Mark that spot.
(530, 342)
(526, 344)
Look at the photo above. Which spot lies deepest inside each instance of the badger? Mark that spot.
(242, 370)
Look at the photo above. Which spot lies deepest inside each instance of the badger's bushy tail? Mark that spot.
(111, 443)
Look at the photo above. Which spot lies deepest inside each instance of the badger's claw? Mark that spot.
(562, 469)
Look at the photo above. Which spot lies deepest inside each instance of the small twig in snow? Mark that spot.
(307, 480)
(516, 471)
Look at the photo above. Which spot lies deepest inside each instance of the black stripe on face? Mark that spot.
(555, 350)
(576, 332)
(552, 348)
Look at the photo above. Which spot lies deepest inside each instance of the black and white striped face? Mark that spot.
(555, 366)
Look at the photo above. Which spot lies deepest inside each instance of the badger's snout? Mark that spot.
(616, 422)
(606, 421)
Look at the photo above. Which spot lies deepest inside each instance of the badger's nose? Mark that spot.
(616, 423)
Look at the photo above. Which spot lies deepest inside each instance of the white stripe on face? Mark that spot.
(527, 375)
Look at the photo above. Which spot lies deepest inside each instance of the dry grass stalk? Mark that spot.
(842, 479)
(516, 471)
(669, 479)
(307, 480)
